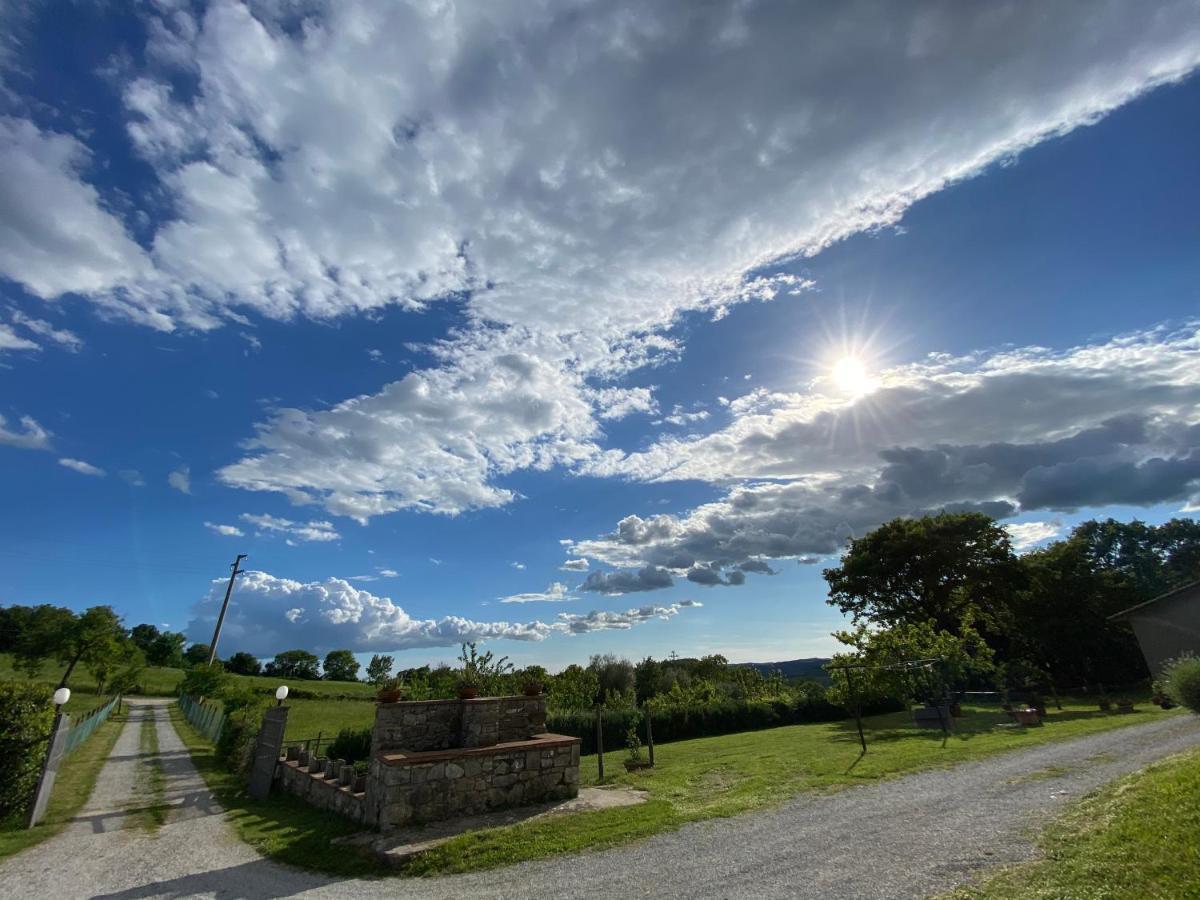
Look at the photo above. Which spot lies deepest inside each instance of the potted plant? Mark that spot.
(532, 688)
(390, 690)
(478, 671)
(1105, 704)
(468, 686)
(1124, 705)
(634, 745)
(1027, 717)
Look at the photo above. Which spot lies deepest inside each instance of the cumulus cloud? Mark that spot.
(1026, 535)
(313, 530)
(574, 565)
(83, 468)
(369, 158)
(1115, 422)
(267, 613)
(555, 593)
(181, 480)
(648, 578)
(226, 530)
(29, 436)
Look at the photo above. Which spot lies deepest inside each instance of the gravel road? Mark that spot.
(904, 838)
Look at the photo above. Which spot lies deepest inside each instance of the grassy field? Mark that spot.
(155, 682)
(284, 828)
(76, 778)
(723, 776)
(1134, 840)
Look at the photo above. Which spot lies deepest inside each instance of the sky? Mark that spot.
(578, 327)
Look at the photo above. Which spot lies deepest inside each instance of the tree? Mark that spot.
(144, 636)
(340, 665)
(574, 688)
(294, 664)
(1153, 559)
(242, 663)
(379, 669)
(93, 638)
(167, 650)
(14, 620)
(615, 678)
(946, 570)
(44, 635)
(196, 654)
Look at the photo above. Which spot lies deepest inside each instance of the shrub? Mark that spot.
(1182, 677)
(243, 718)
(204, 682)
(26, 717)
(352, 745)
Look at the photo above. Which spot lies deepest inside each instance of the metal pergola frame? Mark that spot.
(906, 665)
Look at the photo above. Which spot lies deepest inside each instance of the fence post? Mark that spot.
(266, 752)
(600, 739)
(649, 736)
(54, 754)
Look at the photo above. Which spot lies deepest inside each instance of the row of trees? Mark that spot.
(951, 588)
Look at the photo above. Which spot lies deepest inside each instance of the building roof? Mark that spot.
(1179, 590)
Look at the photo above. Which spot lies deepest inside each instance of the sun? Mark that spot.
(851, 376)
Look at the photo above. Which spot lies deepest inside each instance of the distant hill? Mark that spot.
(793, 668)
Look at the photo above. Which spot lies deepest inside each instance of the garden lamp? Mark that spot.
(281, 693)
(61, 696)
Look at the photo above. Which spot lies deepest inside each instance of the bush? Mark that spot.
(26, 717)
(243, 719)
(204, 682)
(352, 745)
(1182, 677)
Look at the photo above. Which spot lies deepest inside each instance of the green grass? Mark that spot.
(151, 813)
(1137, 838)
(283, 828)
(724, 776)
(308, 717)
(155, 681)
(76, 777)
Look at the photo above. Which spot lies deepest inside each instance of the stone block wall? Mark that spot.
(424, 725)
(325, 784)
(425, 787)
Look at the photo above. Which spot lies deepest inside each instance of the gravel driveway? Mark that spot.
(904, 838)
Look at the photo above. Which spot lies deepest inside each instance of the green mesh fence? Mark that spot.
(82, 730)
(207, 718)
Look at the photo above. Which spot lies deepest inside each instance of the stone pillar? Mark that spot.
(266, 752)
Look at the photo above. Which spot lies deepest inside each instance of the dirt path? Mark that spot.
(904, 838)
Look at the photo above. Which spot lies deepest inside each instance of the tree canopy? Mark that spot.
(340, 665)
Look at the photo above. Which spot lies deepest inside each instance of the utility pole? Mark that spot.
(212, 649)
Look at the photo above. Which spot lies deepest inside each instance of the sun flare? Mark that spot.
(851, 376)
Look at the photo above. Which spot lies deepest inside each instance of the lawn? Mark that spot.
(1137, 838)
(724, 776)
(76, 778)
(155, 681)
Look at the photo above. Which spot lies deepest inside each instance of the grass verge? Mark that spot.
(76, 777)
(151, 814)
(723, 776)
(283, 828)
(1136, 838)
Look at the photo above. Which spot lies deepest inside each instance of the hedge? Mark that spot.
(26, 717)
(678, 723)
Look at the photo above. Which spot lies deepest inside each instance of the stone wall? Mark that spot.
(424, 725)
(424, 787)
(323, 783)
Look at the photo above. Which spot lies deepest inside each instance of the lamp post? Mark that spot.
(281, 693)
(61, 697)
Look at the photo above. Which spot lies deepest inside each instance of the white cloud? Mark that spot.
(388, 573)
(436, 562)
(555, 593)
(132, 477)
(574, 565)
(313, 530)
(10, 340)
(1026, 535)
(43, 329)
(226, 530)
(30, 436)
(268, 614)
(84, 468)
(370, 159)
(181, 480)
(1115, 422)
(375, 355)
(519, 566)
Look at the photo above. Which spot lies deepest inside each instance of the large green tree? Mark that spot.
(340, 665)
(243, 663)
(948, 570)
(379, 669)
(294, 664)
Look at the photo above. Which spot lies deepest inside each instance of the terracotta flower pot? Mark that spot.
(532, 689)
(467, 692)
(1027, 717)
(632, 765)
(389, 695)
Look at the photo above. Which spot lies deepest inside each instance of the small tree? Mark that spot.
(481, 670)
(379, 669)
(298, 664)
(196, 654)
(204, 681)
(243, 663)
(340, 665)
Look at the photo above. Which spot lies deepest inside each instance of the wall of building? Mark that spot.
(1168, 628)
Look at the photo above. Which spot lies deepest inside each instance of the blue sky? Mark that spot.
(531, 324)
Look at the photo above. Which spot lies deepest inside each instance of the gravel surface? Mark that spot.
(909, 837)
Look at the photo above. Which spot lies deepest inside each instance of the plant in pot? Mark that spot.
(479, 671)
(532, 688)
(1124, 705)
(390, 690)
(1105, 704)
